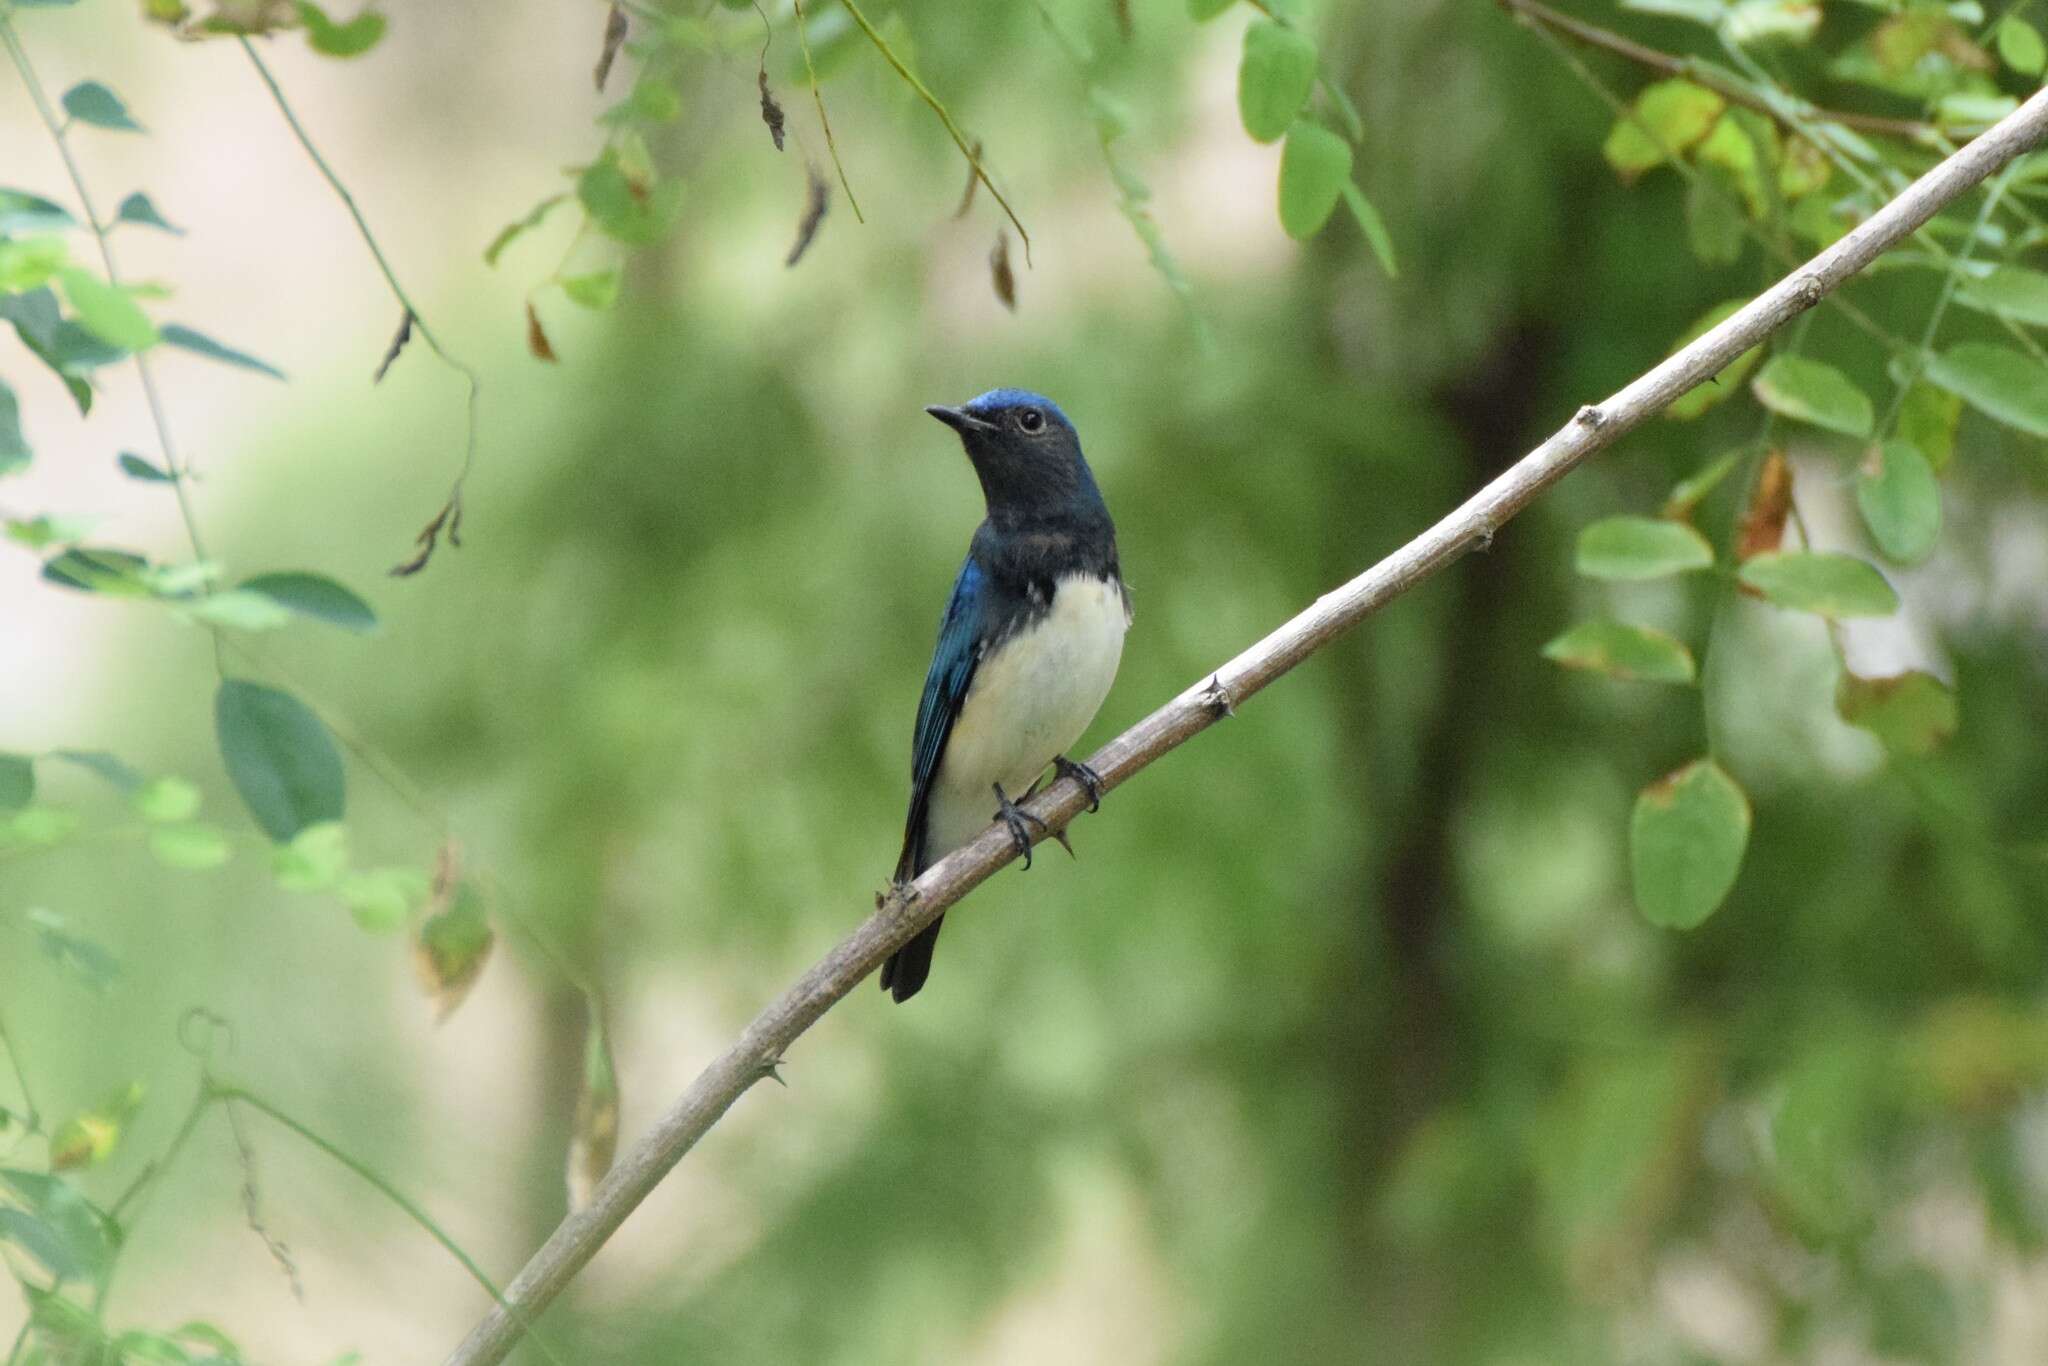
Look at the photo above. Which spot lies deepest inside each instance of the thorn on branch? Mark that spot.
(614, 36)
(1810, 290)
(1591, 416)
(818, 197)
(1482, 539)
(771, 1070)
(1217, 698)
(398, 341)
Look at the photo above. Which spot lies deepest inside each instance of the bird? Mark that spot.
(1027, 650)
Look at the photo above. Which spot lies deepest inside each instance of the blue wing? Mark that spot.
(945, 688)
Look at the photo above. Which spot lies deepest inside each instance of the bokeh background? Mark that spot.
(1341, 1040)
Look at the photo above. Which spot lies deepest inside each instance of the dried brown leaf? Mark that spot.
(771, 112)
(1763, 523)
(1000, 274)
(537, 339)
(817, 198)
(973, 180)
(614, 37)
(398, 341)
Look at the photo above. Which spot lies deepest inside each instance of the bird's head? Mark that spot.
(1026, 453)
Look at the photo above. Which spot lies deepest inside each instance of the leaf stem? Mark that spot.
(220, 1091)
(35, 1118)
(952, 129)
(803, 39)
(383, 265)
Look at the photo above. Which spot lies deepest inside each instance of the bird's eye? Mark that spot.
(1031, 419)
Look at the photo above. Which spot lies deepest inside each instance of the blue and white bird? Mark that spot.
(1027, 649)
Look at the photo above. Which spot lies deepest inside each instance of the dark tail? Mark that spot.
(907, 968)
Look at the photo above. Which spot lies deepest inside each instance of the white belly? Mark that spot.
(1031, 699)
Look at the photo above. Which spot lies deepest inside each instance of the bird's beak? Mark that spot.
(959, 419)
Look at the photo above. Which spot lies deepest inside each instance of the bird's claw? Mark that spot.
(1015, 818)
(1088, 778)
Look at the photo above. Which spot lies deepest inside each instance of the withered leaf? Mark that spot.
(537, 339)
(1000, 274)
(771, 112)
(430, 533)
(398, 341)
(1123, 17)
(614, 36)
(1763, 523)
(817, 197)
(973, 180)
(594, 1137)
(455, 939)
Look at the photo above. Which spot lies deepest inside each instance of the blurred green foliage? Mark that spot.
(1351, 1036)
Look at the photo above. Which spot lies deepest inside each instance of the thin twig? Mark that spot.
(906, 910)
(952, 129)
(35, 1120)
(383, 265)
(803, 40)
(1700, 73)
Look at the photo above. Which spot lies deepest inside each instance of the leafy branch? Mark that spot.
(450, 515)
(905, 910)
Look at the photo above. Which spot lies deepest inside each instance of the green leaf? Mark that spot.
(1811, 391)
(137, 208)
(22, 213)
(96, 569)
(1687, 494)
(638, 216)
(185, 339)
(193, 847)
(1928, 418)
(2019, 44)
(14, 451)
(1713, 219)
(2010, 292)
(1912, 713)
(452, 946)
(1641, 548)
(135, 467)
(1998, 382)
(1900, 501)
(58, 342)
(90, 102)
(1675, 114)
(90, 1137)
(166, 799)
(101, 765)
(1315, 166)
(512, 230)
(43, 531)
(1274, 79)
(1629, 653)
(109, 313)
(314, 860)
(73, 952)
(17, 781)
(316, 598)
(381, 899)
(594, 1133)
(1374, 227)
(330, 39)
(1820, 582)
(30, 262)
(1703, 396)
(42, 825)
(598, 290)
(237, 610)
(1686, 841)
(279, 756)
(84, 1237)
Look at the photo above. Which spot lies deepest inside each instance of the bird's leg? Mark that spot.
(1015, 818)
(1088, 778)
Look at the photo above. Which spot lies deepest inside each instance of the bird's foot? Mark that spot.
(1088, 778)
(1016, 819)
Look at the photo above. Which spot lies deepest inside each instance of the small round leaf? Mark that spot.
(1900, 500)
(1686, 841)
(1315, 166)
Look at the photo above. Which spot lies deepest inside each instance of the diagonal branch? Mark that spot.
(905, 911)
(1702, 73)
